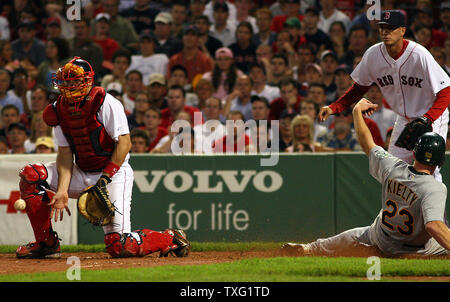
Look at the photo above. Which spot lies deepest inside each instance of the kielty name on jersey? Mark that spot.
(402, 191)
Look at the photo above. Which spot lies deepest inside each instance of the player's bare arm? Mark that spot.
(440, 232)
(362, 131)
(121, 150)
(60, 201)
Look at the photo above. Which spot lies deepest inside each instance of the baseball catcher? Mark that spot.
(91, 130)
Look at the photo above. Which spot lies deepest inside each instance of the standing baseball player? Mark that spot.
(92, 133)
(412, 82)
(411, 220)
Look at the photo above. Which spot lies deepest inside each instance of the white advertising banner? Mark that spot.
(15, 227)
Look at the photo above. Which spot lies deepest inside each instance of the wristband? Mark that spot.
(111, 168)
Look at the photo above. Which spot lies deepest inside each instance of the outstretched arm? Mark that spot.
(362, 131)
(440, 232)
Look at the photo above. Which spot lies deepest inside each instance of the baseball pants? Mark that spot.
(119, 189)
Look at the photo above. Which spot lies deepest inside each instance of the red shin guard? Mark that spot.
(126, 245)
(33, 190)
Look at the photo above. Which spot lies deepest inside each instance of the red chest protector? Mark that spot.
(88, 139)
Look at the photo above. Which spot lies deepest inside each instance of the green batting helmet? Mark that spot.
(430, 149)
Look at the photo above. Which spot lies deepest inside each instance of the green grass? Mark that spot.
(279, 269)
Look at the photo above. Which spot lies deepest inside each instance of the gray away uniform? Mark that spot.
(409, 200)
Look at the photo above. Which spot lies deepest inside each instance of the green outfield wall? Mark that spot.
(235, 198)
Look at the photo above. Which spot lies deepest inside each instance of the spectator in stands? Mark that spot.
(58, 52)
(358, 39)
(44, 145)
(329, 63)
(208, 44)
(259, 79)
(38, 128)
(444, 16)
(330, 14)
(6, 56)
(342, 80)
(204, 90)
(5, 81)
(142, 104)
(157, 90)
(264, 55)
(338, 38)
(292, 10)
(27, 45)
(382, 116)
(264, 36)
(240, 98)
(121, 61)
(171, 142)
(310, 108)
(176, 102)
(147, 61)
(139, 141)
(284, 45)
(305, 56)
(82, 46)
(210, 9)
(244, 51)
(342, 137)
(423, 35)
(316, 92)
(121, 29)
(285, 133)
(9, 115)
(196, 9)
(163, 28)
(235, 141)
(152, 125)
(206, 134)
(17, 135)
(313, 34)
(289, 100)
(20, 82)
(39, 100)
(103, 38)
(260, 108)
(53, 28)
(133, 84)
(3, 145)
(179, 76)
(224, 74)
(141, 15)
(440, 57)
(222, 30)
(313, 74)
(191, 57)
(179, 17)
(280, 69)
(243, 10)
(302, 128)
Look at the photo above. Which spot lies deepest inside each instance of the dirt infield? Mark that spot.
(9, 264)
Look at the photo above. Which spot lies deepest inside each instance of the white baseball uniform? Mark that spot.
(111, 114)
(409, 84)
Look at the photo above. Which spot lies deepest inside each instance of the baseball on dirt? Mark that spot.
(20, 204)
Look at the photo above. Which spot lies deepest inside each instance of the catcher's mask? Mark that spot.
(74, 80)
(430, 149)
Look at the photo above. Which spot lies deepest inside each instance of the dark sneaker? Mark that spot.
(39, 250)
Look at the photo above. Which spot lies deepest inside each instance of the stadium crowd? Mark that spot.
(268, 65)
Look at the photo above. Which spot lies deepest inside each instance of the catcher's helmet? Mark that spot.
(74, 80)
(430, 149)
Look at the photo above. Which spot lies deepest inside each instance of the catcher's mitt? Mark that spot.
(412, 131)
(94, 203)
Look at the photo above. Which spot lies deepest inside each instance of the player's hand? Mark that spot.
(324, 113)
(365, 107)
(59, 202)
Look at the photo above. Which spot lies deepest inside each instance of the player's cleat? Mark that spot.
(39, 250)
(295, 249)
(181, 246)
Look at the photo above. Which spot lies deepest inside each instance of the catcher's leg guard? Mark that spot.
(38, 250)
(126, 245)
(35, 191)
